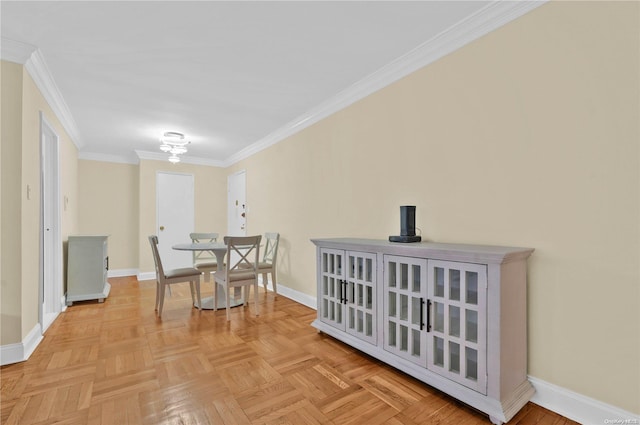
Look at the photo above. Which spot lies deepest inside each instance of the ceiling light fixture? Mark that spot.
(175, 144)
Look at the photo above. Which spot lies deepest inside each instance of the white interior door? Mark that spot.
(175, 217)
(50, 257)
(237, 204)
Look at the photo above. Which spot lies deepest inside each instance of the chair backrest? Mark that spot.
(271, 248)
(203, 256)
(243, 253)
(153, 240)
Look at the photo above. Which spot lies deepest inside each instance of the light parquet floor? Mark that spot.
(117, 363)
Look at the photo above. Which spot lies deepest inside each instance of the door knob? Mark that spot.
(161, 228)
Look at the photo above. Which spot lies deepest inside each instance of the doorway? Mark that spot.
(174, 217)
(236, 204)
(50, 290)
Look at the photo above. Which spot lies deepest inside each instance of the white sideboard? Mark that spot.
(87, 266)
(453, 316)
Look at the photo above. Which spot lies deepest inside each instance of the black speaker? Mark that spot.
(407, 225)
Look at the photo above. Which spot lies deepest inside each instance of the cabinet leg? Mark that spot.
(100, 300)
(495, 420)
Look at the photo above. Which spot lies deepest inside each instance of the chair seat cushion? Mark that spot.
(183, 272)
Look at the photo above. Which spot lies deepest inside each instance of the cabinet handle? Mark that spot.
(341, 291)
(428, 315)
(421, 313)
(107, 262)
(344, 282)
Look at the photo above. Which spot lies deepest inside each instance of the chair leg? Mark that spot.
(197, 282)
(157, 294)
(265, 281)
(193, 298)
(273, 281)
(215, 295)
(227, 289)
(162, 289)
(255, 296)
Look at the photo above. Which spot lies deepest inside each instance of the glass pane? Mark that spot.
(454, 357)
(392, 334)
(368, 324)
(360, 297)
(472, 288)
(338, 264)
(351, 322)
(454, 321)
(416, 278)
(338, 313)
(438, 351)
(416, 306)
(392, 274)
(415, 342)
(332, 312)
(392, 304)
(360, 268)
(351, 267)
(472, 363)
(404, 338)
(454, 284)
(325, 285)
(369, 299)
(325, 262)
(360, 322)
(439, 282)
(332, 284)
(471, 330)
(404, 276)
(404, 307)
(369, 273)
(325, 308)
(438, 324)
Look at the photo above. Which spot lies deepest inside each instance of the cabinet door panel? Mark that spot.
(360, 295)
(332, 287)
(405, 289)
(458, 337)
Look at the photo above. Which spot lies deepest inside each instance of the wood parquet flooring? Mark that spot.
(117, 363)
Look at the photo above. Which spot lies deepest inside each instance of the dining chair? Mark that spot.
(268, 264)
(165, 278)
(205, 261)
(240, 270)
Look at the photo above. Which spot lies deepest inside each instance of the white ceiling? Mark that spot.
(233, 76)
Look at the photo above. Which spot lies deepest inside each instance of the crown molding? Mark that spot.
(15, 51)
(487, 19)
(184, 159)
(33, 61)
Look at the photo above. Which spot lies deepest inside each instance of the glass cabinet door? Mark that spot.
(360, 295)
(332, 287)
(405, 291)
(457, 345)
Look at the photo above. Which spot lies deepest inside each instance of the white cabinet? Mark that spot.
(87, 266)
(346, 292)
(451, 315)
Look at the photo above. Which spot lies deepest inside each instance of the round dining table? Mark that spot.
(219, 249)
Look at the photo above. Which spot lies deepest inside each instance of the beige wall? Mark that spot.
(108, 203)
(526, 137)
(210, 202)
(22, 104)
(11, 118)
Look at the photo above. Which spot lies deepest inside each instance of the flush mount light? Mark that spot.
(174, 143)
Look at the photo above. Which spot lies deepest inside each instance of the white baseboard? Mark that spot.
(122, 272)
(577, 407)
(146, 276)
(297, 296)
(19, 352)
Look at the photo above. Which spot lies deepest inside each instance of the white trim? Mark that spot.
(91, 156)
(146, 276)
(160, 156)
(487, 19)
(297, 296)
(122, 272)
(15, 51)
(37, 68)
(21, 351)
(578, 407)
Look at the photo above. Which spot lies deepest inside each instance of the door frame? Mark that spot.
(230, 206)
(50, 249)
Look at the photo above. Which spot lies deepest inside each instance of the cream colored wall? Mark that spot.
(210, 202)
(108, 203)
(22, 104)
(526, 137)
(11, 133)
